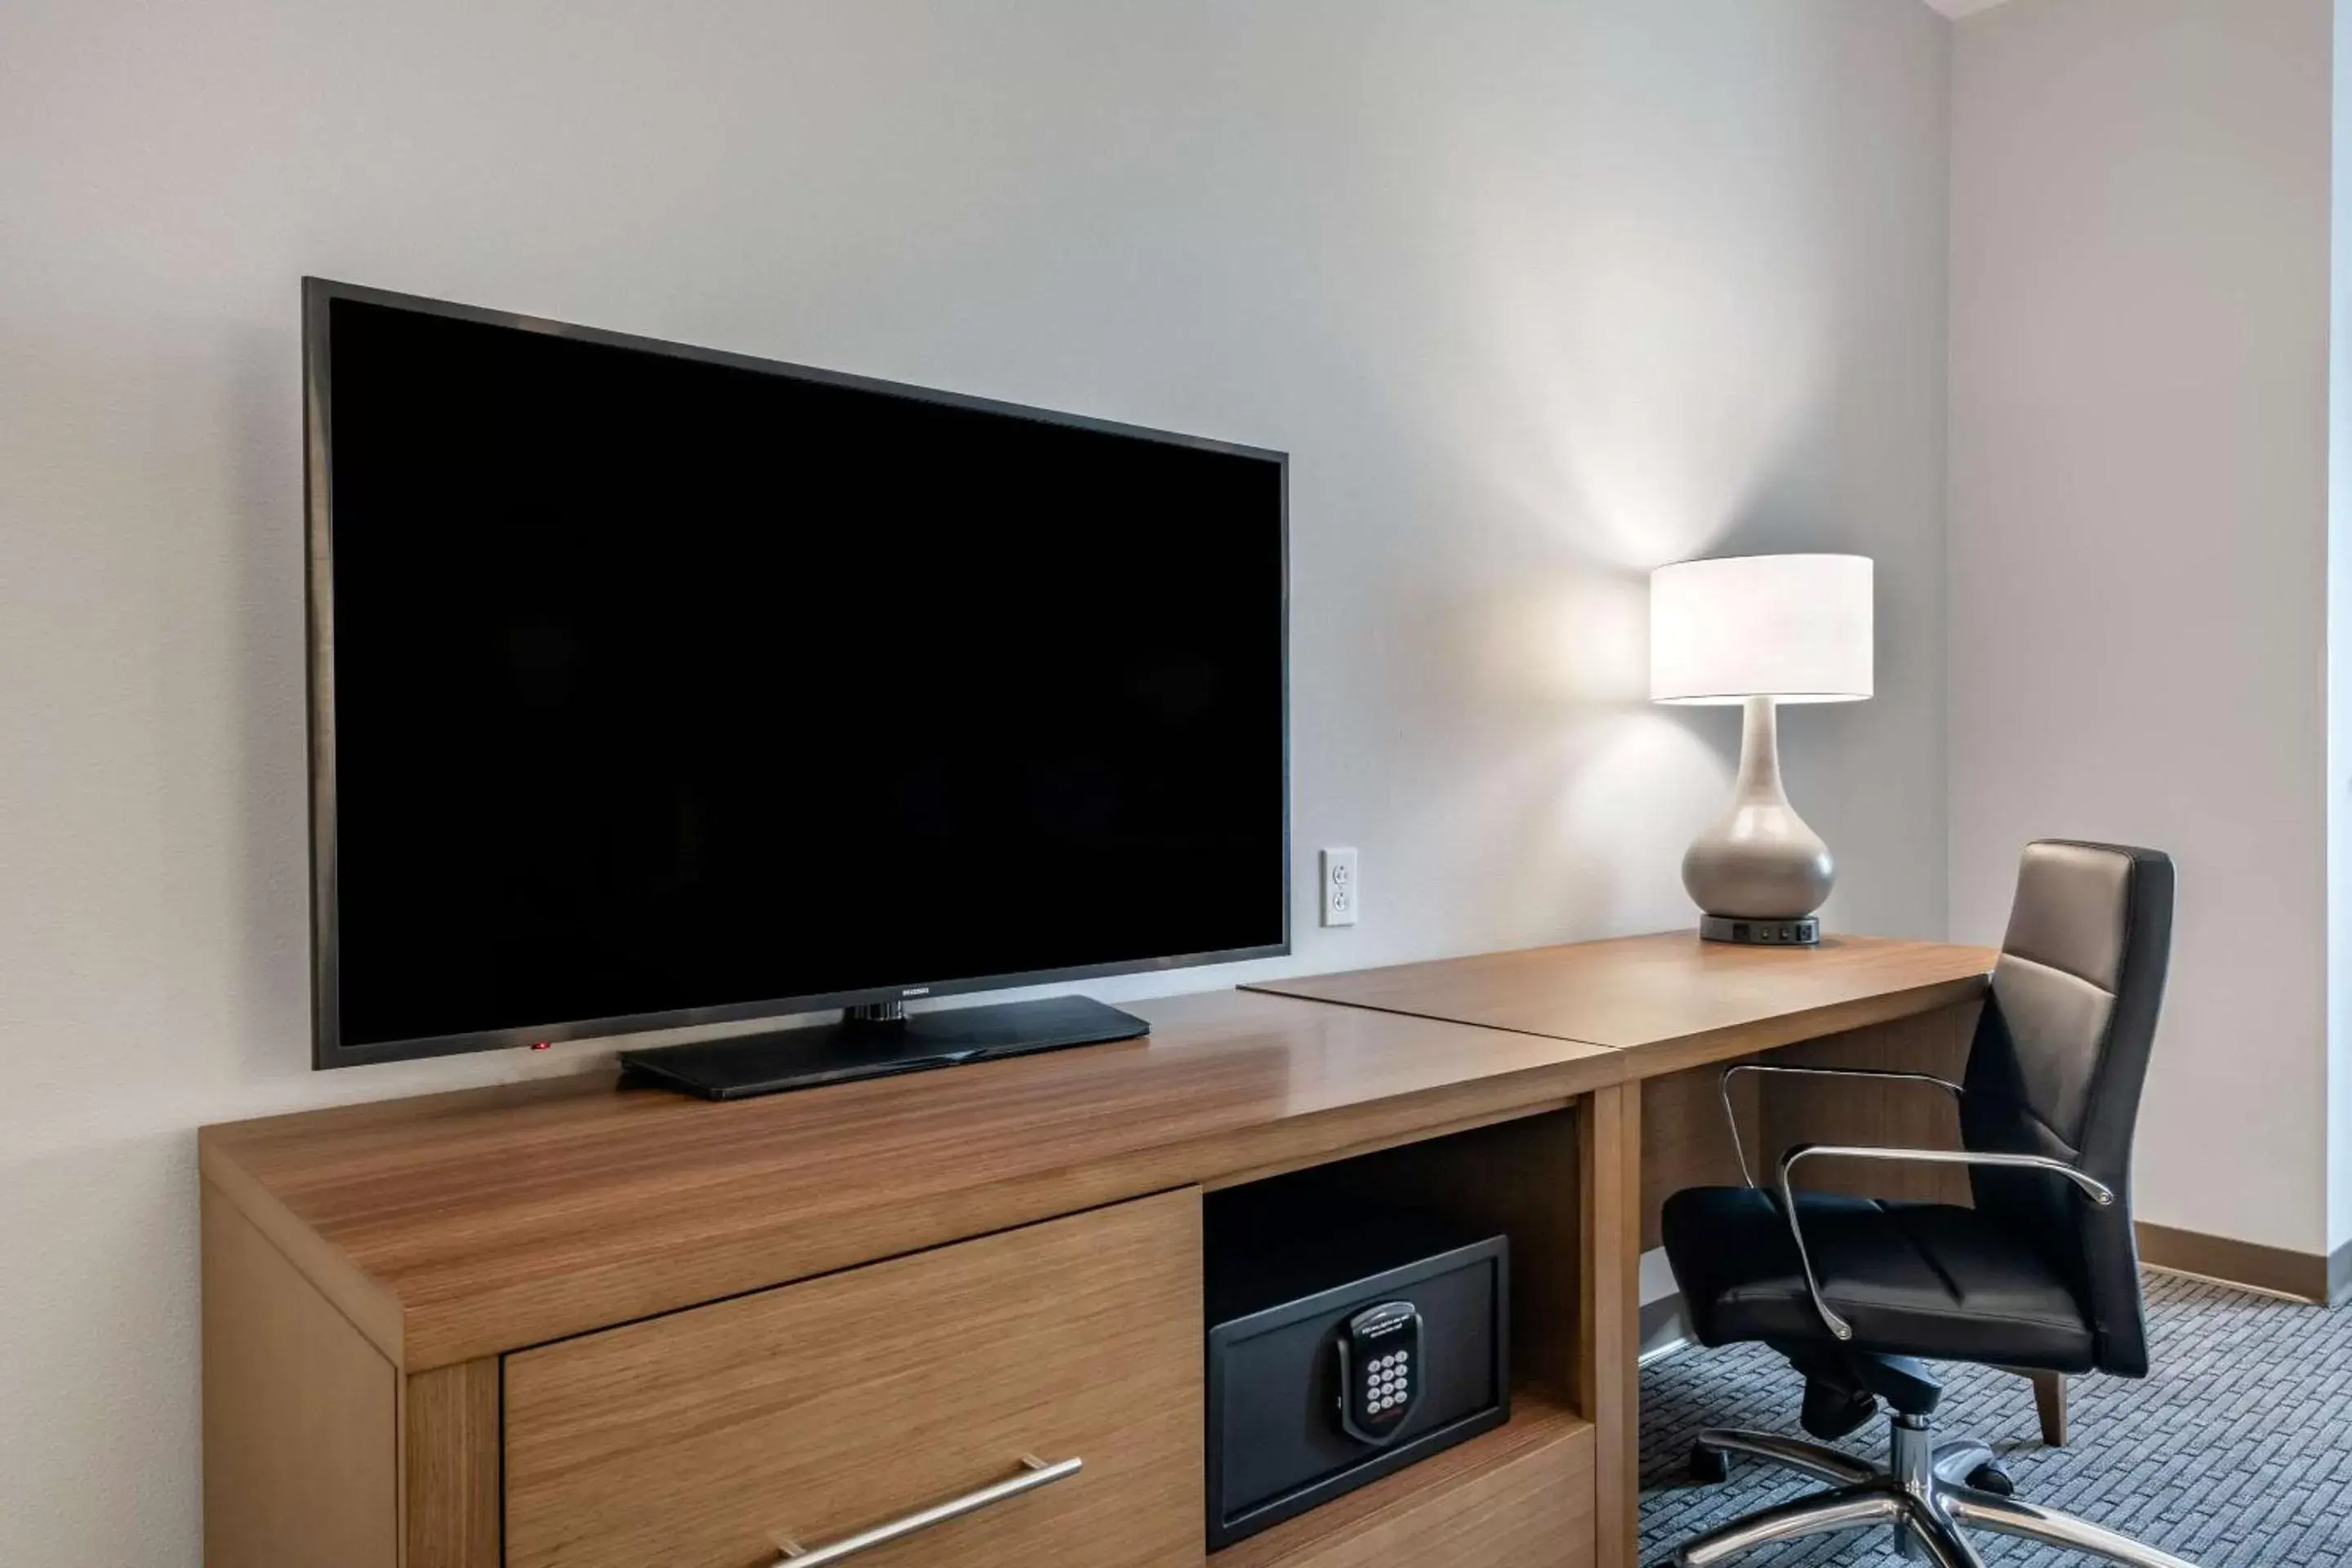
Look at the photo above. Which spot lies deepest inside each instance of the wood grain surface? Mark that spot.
(451, 1447)
(1685, 1141)
(1519, 1497)
(705, 1439)
(1795, 1110)
(301, 1424)
(1609, 1374)
(1675, 1000)
(470, 1224)
(392, 1254)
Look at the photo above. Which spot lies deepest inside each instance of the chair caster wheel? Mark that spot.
(1992, 1477)
(1709, 1467)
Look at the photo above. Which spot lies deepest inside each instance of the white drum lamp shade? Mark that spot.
(1760, 630)
(1794, 627)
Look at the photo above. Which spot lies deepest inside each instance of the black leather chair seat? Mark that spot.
(1924, 1279)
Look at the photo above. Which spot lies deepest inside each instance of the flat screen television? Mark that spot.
(656, 686)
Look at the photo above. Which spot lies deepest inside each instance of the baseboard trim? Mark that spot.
(2339, 1275)
(1662, 1328)
(2273, 1270)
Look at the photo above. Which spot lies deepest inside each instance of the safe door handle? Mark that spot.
(1035, 1473)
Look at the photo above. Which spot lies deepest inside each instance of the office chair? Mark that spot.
(2042, 1274)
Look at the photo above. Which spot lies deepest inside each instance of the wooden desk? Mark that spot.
(1671, 1000)
(557, 1322)
(1675, 1009)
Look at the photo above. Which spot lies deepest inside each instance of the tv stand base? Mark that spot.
(870, 1043)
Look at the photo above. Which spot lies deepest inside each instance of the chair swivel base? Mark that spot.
(1925, 1498)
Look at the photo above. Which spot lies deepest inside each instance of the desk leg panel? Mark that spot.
(300, 1413)
(1609, 1345)
(1686, 1140)
(1825, 1111)
(451, 1443)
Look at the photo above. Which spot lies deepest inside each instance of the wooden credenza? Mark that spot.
(565, 1325)
(568, 1325)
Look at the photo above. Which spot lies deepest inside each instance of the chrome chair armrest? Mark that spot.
(1739, 1151)
(2097, 1190)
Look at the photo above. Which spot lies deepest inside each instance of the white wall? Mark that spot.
(2138, 539)
(1538, 294)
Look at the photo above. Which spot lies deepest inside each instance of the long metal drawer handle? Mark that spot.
(1035, 1473)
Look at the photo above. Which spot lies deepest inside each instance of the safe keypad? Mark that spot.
(1386, 1381)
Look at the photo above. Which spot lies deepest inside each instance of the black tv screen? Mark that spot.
(653, 685)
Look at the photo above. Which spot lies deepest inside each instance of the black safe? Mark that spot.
(1347, 1340)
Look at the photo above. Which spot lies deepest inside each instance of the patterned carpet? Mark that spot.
(2237, 1449)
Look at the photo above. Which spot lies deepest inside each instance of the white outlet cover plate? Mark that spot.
(1342, 889)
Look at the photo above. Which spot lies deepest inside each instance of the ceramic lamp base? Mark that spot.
(1758, 864)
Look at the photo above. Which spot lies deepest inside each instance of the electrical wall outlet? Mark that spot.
(1340, 893)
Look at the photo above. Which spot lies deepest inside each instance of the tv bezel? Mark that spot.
(329, 1049)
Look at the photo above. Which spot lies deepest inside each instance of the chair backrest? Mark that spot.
(2060, 1055)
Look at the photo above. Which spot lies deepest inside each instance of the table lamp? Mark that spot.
(1758, 631)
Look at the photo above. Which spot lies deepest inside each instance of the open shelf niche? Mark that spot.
(1521, 1494)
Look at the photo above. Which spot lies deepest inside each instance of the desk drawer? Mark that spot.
(820, 1410)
